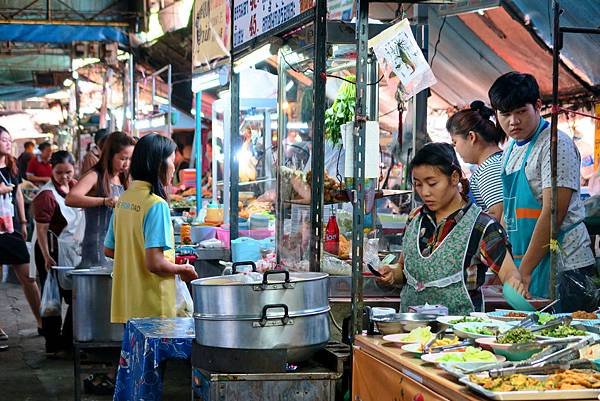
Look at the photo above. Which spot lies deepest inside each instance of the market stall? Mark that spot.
(558, 362)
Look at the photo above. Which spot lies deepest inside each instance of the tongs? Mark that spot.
(543, 369)
(450, 347)
(561, 321)
(436, 336)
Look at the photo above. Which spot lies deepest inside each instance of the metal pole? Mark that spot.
(360, 128)
(554, 147)
(235, 147)
(318, 149)
(170, 91)
(132, 91)
(419, 102)
(198, 147)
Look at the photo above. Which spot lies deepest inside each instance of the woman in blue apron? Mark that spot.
(449, 243)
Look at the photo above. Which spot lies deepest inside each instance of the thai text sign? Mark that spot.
(252, 18)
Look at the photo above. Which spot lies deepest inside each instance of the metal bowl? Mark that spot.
(405, 322)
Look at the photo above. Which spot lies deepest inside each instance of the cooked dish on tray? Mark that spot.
(582, 315)
(516, 314)
(574, 379)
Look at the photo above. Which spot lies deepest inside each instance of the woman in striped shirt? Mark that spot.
(477, 139)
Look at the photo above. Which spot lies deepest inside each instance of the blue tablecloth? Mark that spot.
(147, 343)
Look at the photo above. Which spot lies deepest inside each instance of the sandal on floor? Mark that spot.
(3, 335)
(3, 347)
(98, 384)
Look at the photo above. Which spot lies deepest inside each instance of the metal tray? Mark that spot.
(590, 394)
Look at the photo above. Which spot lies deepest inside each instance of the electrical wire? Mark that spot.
(439, 38)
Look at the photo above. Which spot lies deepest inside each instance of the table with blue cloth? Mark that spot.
(146, 344)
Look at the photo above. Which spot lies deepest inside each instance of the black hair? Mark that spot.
(100, 136)
(28, 144)
(61, 156)
(514, 90)
(149, 161)
(476, 119)
(44, 145)
(443, 157)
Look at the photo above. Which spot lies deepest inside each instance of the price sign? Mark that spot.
(252, 18)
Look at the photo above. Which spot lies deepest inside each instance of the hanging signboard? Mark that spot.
(211, 38)
(252, 18)
(340, 10)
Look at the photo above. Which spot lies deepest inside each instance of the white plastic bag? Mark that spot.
(183, 299)
(50, 305)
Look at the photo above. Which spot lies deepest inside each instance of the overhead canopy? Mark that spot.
(65, 34)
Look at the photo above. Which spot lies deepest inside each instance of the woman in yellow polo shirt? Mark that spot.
(140, 237)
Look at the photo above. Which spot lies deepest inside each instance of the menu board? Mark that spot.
(210, 41)
(252, 18)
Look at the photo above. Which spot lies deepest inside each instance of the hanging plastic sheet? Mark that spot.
(65, 34)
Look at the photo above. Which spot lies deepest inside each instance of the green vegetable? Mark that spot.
(544, 317)
(563, 331)
(467, 319)
(342, 110)
(419, 335)
(471, 354)
(516, 336)
(479, 330)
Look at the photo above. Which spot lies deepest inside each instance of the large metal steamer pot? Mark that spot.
(91, 306)
(282, 311)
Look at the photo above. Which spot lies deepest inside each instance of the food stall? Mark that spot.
(485, 357)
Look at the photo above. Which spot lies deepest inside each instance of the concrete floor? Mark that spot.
(27, 374)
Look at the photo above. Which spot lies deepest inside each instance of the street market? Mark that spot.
(300, 199)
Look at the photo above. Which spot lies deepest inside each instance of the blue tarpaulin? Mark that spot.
(65, 34)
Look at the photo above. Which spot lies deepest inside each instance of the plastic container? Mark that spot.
(203, 233)
(516, 300)
(224, 236)
(258, 221)
(214, 215)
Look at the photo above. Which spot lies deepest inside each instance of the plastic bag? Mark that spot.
(184, 305)
(50, 305)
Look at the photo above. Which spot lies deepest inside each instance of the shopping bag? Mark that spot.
(50, 305)
(183, 299)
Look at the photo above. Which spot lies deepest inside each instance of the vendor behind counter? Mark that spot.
(449, 242)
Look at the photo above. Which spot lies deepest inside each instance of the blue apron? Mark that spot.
(521, 212)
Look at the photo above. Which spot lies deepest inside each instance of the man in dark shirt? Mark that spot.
(24, 159)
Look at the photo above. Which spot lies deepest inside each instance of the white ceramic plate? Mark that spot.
(413, 348)
(461, 329)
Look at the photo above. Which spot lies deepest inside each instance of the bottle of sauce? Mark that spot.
(332, 236)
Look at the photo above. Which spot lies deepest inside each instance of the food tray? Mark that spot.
(588, 394)
(501, 314)
(585, 322)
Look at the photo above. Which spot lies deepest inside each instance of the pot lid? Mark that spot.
(91, 272)
(253, 278)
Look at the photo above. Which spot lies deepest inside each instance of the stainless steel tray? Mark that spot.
(590, 394)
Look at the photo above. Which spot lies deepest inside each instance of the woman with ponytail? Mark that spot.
(476, 139)
(449, 243)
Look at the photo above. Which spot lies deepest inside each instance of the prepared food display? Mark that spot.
(516, 314)
(487, 331)
(516, 336)
(468, 319)
(419, 335)
(441, 342)
(573, 379)
(563, 331)
(471, 354)
(544, 317)
(583, 315)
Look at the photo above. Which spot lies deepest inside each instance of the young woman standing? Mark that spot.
(476, 139)
(98, 191)
(13, 249)
(140, 237)
(449, 243)
(57, 237)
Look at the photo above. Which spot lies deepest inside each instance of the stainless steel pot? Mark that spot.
(301, 334)
(91, 306)
(233, 296)
(278, 310)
